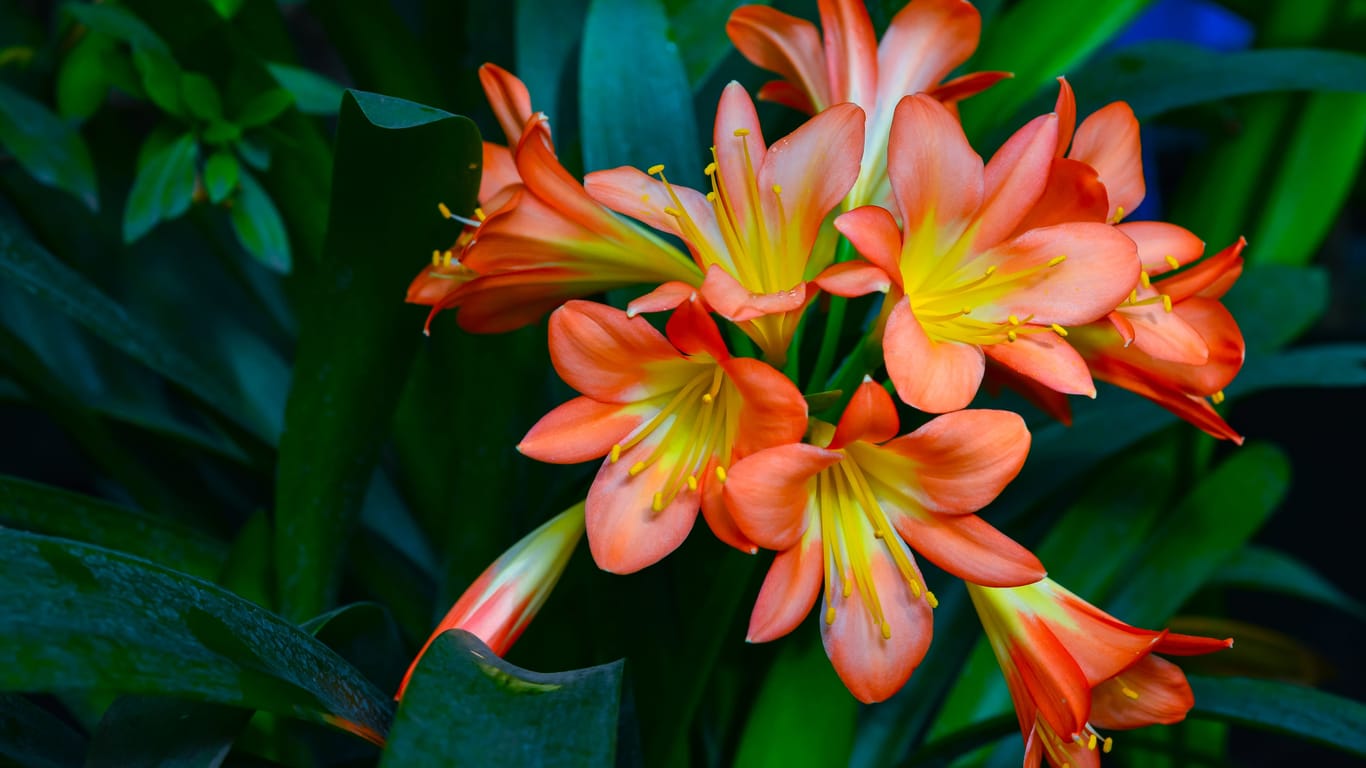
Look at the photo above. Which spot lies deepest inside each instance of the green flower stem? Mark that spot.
(834, 322)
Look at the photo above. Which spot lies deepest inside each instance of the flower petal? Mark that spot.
(602, 353)
(876, 236)
(509, 99)
(579, 430)
(968, 547)
(871, 666)
(1160, 243)
(499, 174)
(736, 303)
(851, 49)
(963, 460)
(1066, 107)
(1108, 141)
(933, 376)
(925, 41)
(1166, 336)
(625, 534)
(1015, 179)
(783, 44)
(1152, 691)
(937, 178)
(718, 514)
(1100, 269)
(644, 198)
(1047, 359)
(789, 591)
(953, 91)
(774, 412)
(870, 417)
(767, 492)
(1074, 193)
(740, 150)
(662, 299)
(853, 278)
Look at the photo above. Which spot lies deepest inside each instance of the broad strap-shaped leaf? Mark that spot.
(79, 617)
(627, 90)
(1269, 570)
(33, 737)
(1294, 710)
(313, 94)
(47, 147)
(160, 732)
(395, 161)
(466, 706)
(781, 730)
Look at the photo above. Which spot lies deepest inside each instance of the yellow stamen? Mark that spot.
(1014, 320)
(445, 212)
(1128, 692)
(777, 189)
(710, 169)
(436, 258)
(1172, 262)
(1056, 260)
(1012, 336)
(1217, 397)
(656, 169)
(741, 132)
(707, 398)
(446, 259)
(1133, 296)
(636, 468)
(720, 473)
(1145, 279)
(1166, 302)
(615, 455)
(1091, 742)
(1058, 329)
(1107, 744)
(931, 599)
(658, 503)
(692, 482)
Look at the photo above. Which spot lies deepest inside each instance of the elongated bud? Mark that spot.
(507, 595)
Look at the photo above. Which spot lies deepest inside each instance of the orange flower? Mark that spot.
(1071, 668)
(842, 510)
(960, 286)
(500, 604)
(755, 233)
(925, 41)
(543, 240)
(670, 414)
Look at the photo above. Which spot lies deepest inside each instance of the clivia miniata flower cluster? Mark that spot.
(1020, 270)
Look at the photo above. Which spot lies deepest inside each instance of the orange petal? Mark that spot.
(579, 430)
(718, 514)
(1175, 644)
(662, 299)
(509, 99)
(504, 302)
(789, 591)
(1160, 243)
(1166, 336)
(1102, 645)
(870, 416)
(644, 198)
(1073, 193)
(738, 156)
(1066, 107)
(499, 173)
(1015, 179)
(850, 51)
(1100, 269)
(964, 460)
(1047, 359)
(935, 174)
(875, 235)
(625, 534)
(1211, 278)
(925, 41)
(787, 94)
(1152, 691)
(873, 667)
(935, 377)
(767, 492)
(970, 548)
(602, 353)
(971, 84)
(1108, 141)
(784, 44)
(692, 330)
(853, 278)
(736, 303)
(1051, 678)
(774, 412)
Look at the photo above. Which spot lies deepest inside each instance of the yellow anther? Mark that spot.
(777, 189)
(1166, 302)
(1013, 320)
(658, 503)
(710, 169)
(615, 455)
(637, 468)
(707, 398)
(436, 258)
(655, 169)
(915, 588)
(741, 132)
(1091, 742)
(720, 473)
(877, 534)
(446, 259)
(886, 631)
(692, 482)
(1133, 296)
(674, 212)
(991, 270)
(1129, 692)
(931, 599)
(1144, 279)
(830, 615)
(479, 213)
(1107, 744)
(1058, 329)
(1056, 260)
(848, 586)
(1217, 397)
(445, 212)
(711, 197)
(1011, 335)
(1119, 212)
(645, 197)
(967, 310)
(1172, 262)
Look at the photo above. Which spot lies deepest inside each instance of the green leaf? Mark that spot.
(696, 29)
(35, 738)
(43, 509)
(265, 107)
(1326, 365)
(163, 189)
(356, 341)
(1276, 304)
(49, 149)
(254, 154)
(160, 79)
(1032, 41)
(466, 706)
(365, 635)
(1318, 168)
(201, 96)
(31, 267)
(154, 731)
(1204, 531)
(227, 8)
(1270, 570)
(780, 730)
(545, 54)
(82, 82)
(625, 89)
(220, 175)
(259, 227)
(313, 94)
(76, 616)
(117, 23)
(1293, 710)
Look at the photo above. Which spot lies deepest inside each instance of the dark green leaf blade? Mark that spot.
(46, 146)
(466, 706)
(780, 730)
(35, 738)
(628, 89)
(1294, 710)
(79, 617)
(221, 173)
(157, 732)
(1270, 570)
(118, 23)
(259, 227)
(162, 189)
(356, 337)
(265, 107)
(313, 94)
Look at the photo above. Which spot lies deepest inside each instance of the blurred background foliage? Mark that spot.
(238, 486)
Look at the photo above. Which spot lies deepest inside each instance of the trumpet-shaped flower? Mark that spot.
(755, 232)
(925, 41)
(1072, 668)
(841, 511)
(961, 287)
(543, 240)
(500, 604)
(671, 414)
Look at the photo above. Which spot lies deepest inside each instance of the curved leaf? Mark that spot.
(1294, 710)
(780, 730)
(313, 94)
(259, 227)
(46, 146)
(157, 732)
(79, 617)
(33, 737)
(1270, 570)
(162, 189)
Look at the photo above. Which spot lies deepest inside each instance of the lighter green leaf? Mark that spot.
(265, 107)
(160, 79)
(313, 94)
(220, 175)
(201, 96)
(780, 730)
(259, 227)
(162, 189)
(1293, 710)
(1270, 570)
(118, 23)
(49, 149)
